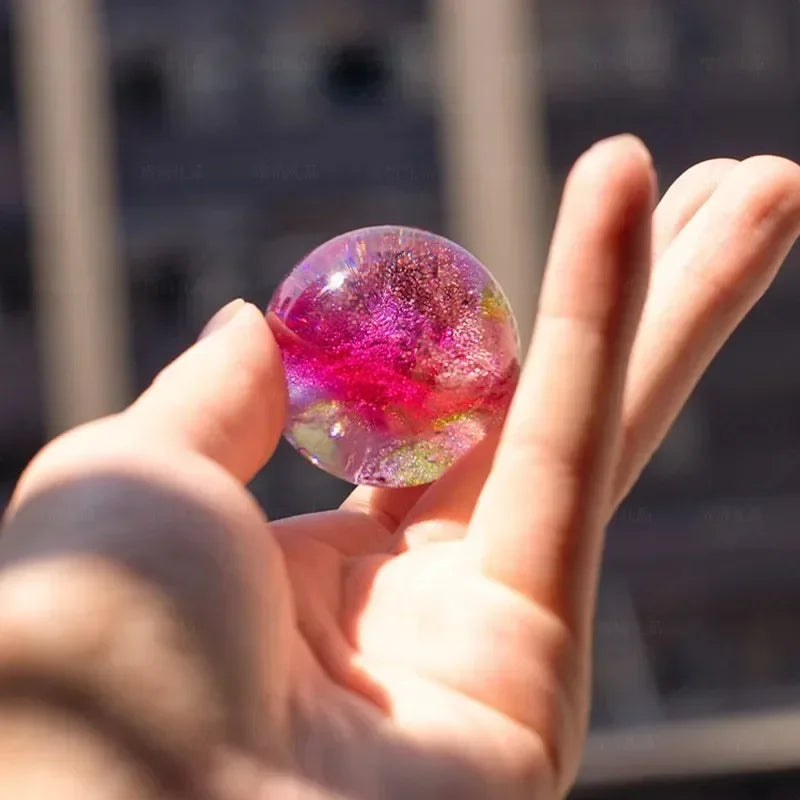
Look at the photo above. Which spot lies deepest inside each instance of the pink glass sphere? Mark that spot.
(400, 351)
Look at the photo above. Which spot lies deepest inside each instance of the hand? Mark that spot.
(415, 643)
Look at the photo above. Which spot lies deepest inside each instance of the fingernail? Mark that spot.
(221, 318)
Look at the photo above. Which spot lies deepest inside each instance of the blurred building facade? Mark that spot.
(249, 131)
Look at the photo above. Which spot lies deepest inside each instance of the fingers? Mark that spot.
(224, 398)
(684, 198)
(538, 522)
(442, 511)
(660, 377)
(706, 281)
(453, 497)
(390, 506)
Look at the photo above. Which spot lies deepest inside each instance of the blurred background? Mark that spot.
(160, 157)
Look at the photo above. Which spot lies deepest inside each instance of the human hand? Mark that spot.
(415, 642)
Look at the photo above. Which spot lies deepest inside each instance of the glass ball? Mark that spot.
(401, 352)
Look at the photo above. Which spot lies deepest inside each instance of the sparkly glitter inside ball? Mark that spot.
(400, 352)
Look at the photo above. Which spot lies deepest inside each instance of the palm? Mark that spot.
(419, 653)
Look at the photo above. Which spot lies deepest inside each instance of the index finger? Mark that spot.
(539, 518)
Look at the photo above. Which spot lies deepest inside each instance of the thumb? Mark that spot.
(225, 397)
